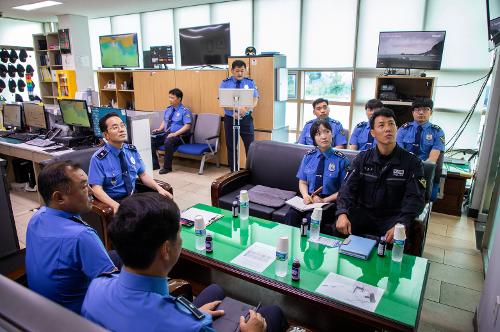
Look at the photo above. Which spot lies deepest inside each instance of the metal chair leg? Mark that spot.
(202, 165)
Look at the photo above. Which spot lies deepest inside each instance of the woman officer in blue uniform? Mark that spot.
(320, 175)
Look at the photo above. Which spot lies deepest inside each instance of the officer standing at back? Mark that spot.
(239, 81)
(115, 167)
(322, 111)
(361, 138)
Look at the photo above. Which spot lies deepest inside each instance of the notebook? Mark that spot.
(233, 309)
(191, 213)
(298, 204)
(357, 246)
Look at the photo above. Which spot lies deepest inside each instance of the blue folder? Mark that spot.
(357, 246)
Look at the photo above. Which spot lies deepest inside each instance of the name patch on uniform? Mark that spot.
(398, 172)
(132, 160)
(428, 137)
(331, 167)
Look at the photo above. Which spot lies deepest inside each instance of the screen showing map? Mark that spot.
(99, 112)
(34, 115)
(119, 50)
(12, 115)
(74, 112)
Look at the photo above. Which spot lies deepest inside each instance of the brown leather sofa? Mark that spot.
(275, 164)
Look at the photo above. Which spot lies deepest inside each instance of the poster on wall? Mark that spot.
(17, 74)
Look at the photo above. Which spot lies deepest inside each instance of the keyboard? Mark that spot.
(5, 133)
(41, 142)
(23, 136)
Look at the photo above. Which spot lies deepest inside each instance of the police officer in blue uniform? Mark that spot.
(63, 253)
(384, 186)
(321, 173)
(239, 81)
(424, 139)
(322, 111)
(146, 234)
(173, 131)
(115, 167)
(361, 138)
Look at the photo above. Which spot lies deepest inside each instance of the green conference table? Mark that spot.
(403, 283)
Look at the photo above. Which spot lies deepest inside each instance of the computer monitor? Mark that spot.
(34, 115)
(99, 112)
(74, 112)
(12, 115)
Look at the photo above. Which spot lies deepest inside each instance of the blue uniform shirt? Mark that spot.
(105, 169)
(432, 138)
(336, 164)
(337, 132)
(131, 302)
(62, 257)
(359, 136)
(182, 116)
(246, 83)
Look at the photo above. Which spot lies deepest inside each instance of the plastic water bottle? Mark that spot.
(244, 204)
(399, 243)
(281, 264)
(200, 232)
(315, 223)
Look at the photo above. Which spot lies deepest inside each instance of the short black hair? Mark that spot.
(144, 221)
(54, 177)
(373, 104)
(238, 63)
(176, 92)
(320, 100)
(102, 122)
(384, 111)
(315, 128)
(422, 102)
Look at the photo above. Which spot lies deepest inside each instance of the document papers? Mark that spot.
(298, 204)
(208, 217)
(350, 291)
(257, 257)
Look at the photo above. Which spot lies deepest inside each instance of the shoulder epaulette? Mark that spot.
(131, 147)
(339, 154)
(248, 78)
(361, 124)
(312, 151)
(310, 121)
(101, 154)
(434, 126)
(109, 273)
(406, 125)
(334, 121)
(227, 79)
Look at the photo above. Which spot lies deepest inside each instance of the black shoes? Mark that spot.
(164, 171)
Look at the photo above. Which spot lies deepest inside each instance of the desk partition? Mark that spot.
(403, 283)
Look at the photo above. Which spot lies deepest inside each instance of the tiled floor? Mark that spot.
(455, 276)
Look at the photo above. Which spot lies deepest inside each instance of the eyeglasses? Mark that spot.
(422, 109)
(116, 127)
(319, 108)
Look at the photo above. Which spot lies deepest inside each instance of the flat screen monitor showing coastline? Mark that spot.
(12, 116)
(411, 49)
(99, 112)
(205, 45)
(119, 50)
(35, 115)
(74, 112)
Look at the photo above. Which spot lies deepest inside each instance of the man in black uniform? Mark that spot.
(385, 185)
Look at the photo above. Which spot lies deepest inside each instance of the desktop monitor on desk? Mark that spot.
(99, 112)
(34, 115)
(12, 116)
(74, 112)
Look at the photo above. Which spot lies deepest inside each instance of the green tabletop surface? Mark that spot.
(10, 140)
(403, 283)
(458, 168)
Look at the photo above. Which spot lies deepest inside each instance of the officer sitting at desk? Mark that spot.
(63, 253)
(361, 138)
(322, 111)
(384, 186)
(114, 168)
(424, 139)
(146, 233)
(176, 124)
(321, 173)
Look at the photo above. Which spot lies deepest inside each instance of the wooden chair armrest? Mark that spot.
(166, 186)
(102, 209)
(177, 287)
(141, 187)
(228, 183)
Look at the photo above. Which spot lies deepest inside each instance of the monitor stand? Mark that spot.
(203, 67)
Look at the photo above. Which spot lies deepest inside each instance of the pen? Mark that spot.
(317, 191)
(247, 316)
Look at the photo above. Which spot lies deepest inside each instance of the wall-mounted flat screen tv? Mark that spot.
(493, 12)
(205, 45)
(411, 49)
(119, 50)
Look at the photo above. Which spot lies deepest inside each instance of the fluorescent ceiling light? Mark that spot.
(38, 5)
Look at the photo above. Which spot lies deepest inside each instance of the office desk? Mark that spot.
(12, 148)
(454, 189)
(404, 283)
